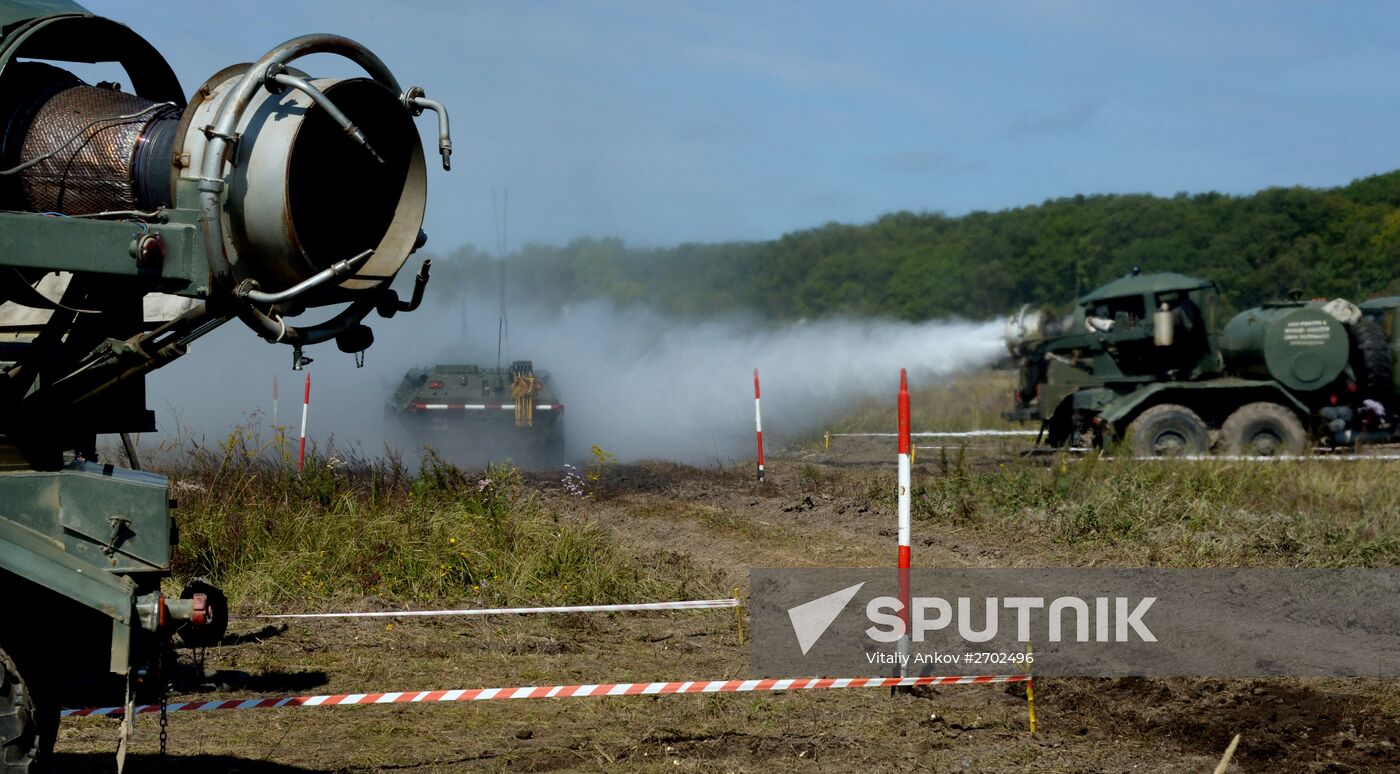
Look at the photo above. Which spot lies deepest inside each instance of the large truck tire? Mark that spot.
(1371, 359)
(22, 742)
(1168, 430)
(1263, 430)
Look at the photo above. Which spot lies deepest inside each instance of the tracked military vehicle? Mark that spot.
(1144, 360)
(476, 416)
(132, 223)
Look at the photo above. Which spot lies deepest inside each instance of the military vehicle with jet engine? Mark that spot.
(134, 221)
(1144, 360)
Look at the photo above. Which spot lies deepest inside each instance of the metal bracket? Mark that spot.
(121, 527)
(232, 139)
(298, 360)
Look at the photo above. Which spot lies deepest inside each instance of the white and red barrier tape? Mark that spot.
(931, 434)
(1280, 458)
(560, 692)
(692, 604)
(480, 406)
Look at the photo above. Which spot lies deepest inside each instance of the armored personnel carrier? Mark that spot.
(475, 416)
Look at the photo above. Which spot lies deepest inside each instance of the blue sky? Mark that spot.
(664, 122)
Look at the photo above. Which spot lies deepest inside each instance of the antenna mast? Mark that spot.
(502, 217)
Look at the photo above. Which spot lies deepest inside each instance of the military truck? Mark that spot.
(132, 223)
(475, 416)
(1143, 360)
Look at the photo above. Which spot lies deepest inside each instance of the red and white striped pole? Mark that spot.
(904, 519)
(758, 424)
(305, 403)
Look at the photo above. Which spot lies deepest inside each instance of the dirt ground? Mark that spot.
(818, 508)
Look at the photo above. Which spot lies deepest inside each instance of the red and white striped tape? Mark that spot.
(691, 604)
(1333, 457)
(950, 434)
(561, 692)
(480, 406)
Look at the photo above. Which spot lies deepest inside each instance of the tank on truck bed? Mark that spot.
(1143, 360)
(475, 416)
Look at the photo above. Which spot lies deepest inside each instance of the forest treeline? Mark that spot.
(1328, 242)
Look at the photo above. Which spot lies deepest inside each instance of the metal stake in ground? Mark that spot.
(274, 402)
(305, 403)
(758, 424)
(904, 520)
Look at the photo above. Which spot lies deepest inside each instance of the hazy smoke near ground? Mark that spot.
(634, 382)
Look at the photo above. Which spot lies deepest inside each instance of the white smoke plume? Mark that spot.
(634, 382)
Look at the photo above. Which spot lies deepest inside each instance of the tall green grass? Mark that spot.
(348, 528)
(1309, 513)
(968, 402)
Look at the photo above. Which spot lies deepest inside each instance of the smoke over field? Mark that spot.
(634, 382)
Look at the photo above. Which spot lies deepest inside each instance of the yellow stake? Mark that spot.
(739, 616)
(1030, 691)
(913, 452)
(828, 439)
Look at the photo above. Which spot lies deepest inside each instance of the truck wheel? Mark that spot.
(1264, 430)
(1168, 430)
(1371, 359)
(20, 741)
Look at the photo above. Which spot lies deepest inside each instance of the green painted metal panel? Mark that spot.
(1194, 394)
(1142, 284)
(40, 560)
(1298, 345)
(15, 11)
(100, 247)
(118, 522)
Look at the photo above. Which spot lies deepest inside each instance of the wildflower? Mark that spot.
(452, 540)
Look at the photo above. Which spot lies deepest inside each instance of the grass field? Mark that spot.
(971, 402)
(371, 534)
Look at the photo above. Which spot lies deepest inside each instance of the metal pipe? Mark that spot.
(130, 447)
(319, 97)
(420, 283)
(277, 331)
(246, 290)
(444, 134)
(210, 182)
